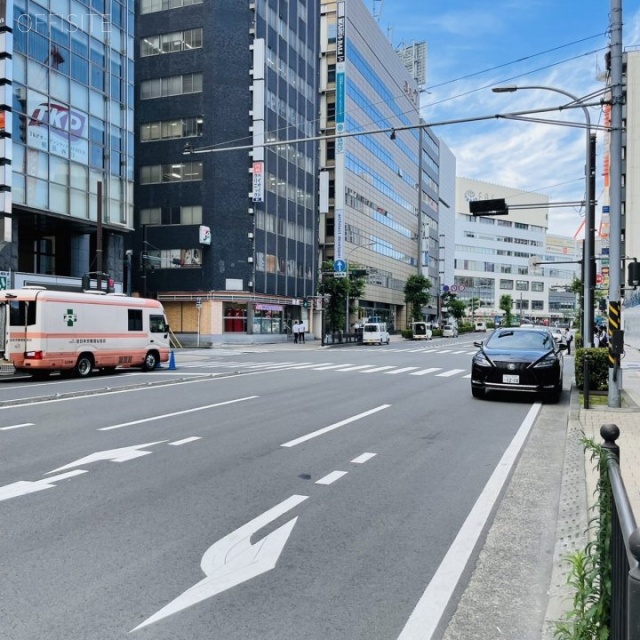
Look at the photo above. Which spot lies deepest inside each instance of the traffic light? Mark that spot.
(86, 282)
(305, 303)
(111, 285)
(633, 269)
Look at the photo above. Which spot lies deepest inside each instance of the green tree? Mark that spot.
(453, 306)
(416, 294)
(337, 289)
(506, 304)
(474, 304)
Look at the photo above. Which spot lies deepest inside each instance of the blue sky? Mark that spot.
(473, 45)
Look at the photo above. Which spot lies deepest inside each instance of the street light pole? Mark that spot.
(588, 252)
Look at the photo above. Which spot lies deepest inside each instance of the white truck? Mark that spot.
(43, 330)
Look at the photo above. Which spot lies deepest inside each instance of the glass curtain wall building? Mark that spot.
(376, 211)
(71, 82)
(226, 116)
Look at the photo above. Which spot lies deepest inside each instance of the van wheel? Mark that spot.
(84, 366)
(150, 361)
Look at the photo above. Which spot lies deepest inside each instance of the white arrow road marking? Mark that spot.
(233, 559)
(24, 487)
(115, 455)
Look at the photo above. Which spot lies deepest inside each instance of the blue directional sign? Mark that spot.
(339, 266)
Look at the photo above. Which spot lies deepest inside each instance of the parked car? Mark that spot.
(375, 333)
(558, 335)
(517, 359)
(449, 331)
(421, 330)
(481, 326)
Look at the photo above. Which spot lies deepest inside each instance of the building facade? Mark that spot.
(67, 140)
(495, 255)
(378, 191)
(226, 153)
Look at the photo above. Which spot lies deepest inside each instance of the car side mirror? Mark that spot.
(478, 343)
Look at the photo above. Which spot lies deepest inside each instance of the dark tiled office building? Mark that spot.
(225, 203)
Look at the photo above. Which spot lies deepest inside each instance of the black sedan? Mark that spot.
(518, 359)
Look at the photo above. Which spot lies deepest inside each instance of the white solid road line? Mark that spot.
(337, 425)
(427, 614)
(330, 478)
(176, 413)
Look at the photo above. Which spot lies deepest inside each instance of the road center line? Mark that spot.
(426, 616)
(330, 478)
(176, 413)
(17, 426)
(365, 457)
(337, 425)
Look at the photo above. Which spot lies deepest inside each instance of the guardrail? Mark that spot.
(624, 551)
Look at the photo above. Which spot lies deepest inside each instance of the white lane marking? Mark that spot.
(429, 350)
(425, 371)
(17, 426)
(330, 478)
(467, 376)
(400, 370)
(24, 487)
(427, 614)
(444, 351)
(363, 458)
(457, 352)
(416, 350)
(337, 425)
(389, 366)
(282, 365)
(114, 455)
(357, 367)
(176, 413)
(331, 366)
(177, 443)
(233, 559)
(448, 374)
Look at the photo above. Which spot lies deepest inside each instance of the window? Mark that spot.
(506, 284)
(537, 305)
(22, 313)
(169, 129)
(171, 86)
(537, 286)
(151, 216)
(522, 285)
(179, 172)
(135, 319)
(151, 6)
(171, 42)
(157, 324)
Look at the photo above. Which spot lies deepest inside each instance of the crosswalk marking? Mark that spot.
(389, 366)
(425, 371)
(311, 366)
(453, 353)
(467, 376)
(401, 370)
(444, 351)
(447, 374)
(360, 366)
(332, 366)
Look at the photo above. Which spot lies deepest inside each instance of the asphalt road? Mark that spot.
(249, 495)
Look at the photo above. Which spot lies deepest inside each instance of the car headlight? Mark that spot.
(547, 362)
(481, 360)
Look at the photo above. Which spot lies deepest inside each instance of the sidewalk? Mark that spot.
(579, 478)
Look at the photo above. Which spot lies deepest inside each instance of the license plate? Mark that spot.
(511, 379)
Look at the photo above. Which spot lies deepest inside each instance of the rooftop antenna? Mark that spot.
(377, 9)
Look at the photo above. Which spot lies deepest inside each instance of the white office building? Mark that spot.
(500, 255)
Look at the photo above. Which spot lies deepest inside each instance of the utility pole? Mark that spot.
(615, 235)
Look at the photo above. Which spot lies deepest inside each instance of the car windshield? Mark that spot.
(520, 340)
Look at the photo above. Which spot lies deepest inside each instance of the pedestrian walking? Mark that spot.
(568, 337)
(302, 328)
(296, 332)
